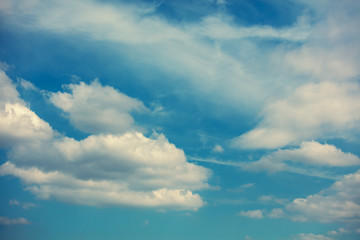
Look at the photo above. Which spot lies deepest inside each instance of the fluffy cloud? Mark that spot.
(17, 122)
(130, 158)
(13, 221)
(326, 109)
(110, 169)
(252, 214)
(97, 109)
(339, 203)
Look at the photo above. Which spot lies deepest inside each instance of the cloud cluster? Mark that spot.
(103, 169)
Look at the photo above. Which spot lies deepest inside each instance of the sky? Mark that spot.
(169, 119)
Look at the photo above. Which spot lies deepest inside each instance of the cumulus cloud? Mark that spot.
(338, 203)
(107, 169)
(252, 214)
(325, 109)
(17, 122)
(95, 108)
(13, 221)
(132, 158)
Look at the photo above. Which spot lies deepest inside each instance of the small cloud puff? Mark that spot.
(218, 149)
(252, 214)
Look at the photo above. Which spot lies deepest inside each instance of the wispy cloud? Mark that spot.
(23, 205)
(13, 221)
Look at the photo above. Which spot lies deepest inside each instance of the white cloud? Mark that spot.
(252, 214)
(310, 236)
(110, 169)
(132, 158)
(339, 203)
(222, 70)
(309, 153)
(13, 221)
(332, 51)
(17, 122)
(218, 149)
(97, 109)
(276, 213)
(326, 109)
(63, 187)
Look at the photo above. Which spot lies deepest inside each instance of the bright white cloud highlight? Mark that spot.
(17, 122)
(95, 108)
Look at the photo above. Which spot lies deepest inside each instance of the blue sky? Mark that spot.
(209, 119)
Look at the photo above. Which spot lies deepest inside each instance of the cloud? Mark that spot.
(276, 213)
(218, 149)
(310, 236)
(18, 123)
(214, 56)
(252, 214)
(308, 154)
(325, 109)
(332, 51)
(132, 158)
(338, 203)
(97, 109)
(242, 187)
(23, 205)
(13, 221)
(126, 169)
(272, 199)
